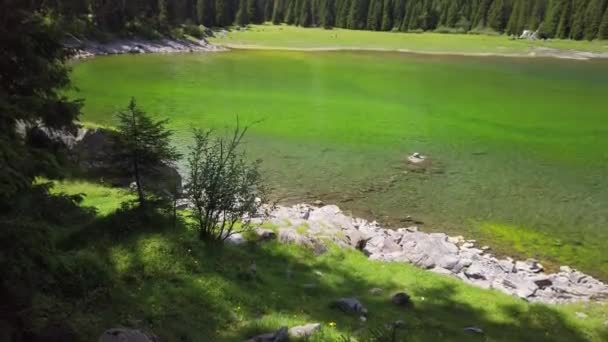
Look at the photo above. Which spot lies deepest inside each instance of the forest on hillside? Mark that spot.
(564, 19)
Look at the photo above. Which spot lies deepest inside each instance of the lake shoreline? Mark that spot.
(454, 256)
(536, 53)
(86, 49)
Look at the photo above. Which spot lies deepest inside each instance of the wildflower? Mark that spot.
(332, 324)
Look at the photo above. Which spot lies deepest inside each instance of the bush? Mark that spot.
(444, 29)
(195, 31)
(143, 29)
(484, 31)
(224, 188)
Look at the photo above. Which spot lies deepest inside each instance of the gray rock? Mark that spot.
(236, 239)
(350, 305)
(281, 335)
(401, 299)
(474, 330)
(375, 291)
(302, 331)
(289, 235)
(126, 335)
(265, 234)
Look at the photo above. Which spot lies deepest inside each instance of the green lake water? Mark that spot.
(519, 147)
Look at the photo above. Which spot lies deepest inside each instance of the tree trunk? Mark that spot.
(140, 191)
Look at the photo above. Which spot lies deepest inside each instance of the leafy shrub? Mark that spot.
(224, 188)
(444, 29)
(143, 29)
(195, 31)
(484, 31)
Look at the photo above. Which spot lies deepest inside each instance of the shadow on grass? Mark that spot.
(163, 280)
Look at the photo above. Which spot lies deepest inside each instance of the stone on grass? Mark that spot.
(350, 305)
(401, 299)
(236, 239)
(474, 330)
(375, 291)
(265, 234)
(281, 335)
(126, 335)
(304, 330)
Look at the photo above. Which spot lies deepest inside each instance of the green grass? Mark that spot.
(284, 36)
(515, 142)
(164, 280)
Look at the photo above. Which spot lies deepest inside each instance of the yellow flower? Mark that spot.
(332, 324)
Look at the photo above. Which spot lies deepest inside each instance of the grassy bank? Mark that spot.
(161, 279)
(283, 36)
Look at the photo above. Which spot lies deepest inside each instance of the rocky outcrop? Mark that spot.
(437, 252)
(88, 48)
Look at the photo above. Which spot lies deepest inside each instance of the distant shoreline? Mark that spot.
(535, 53)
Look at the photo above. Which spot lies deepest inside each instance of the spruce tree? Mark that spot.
(305, 14)
(374, 15)
(277, 12)
(398, 12)
(290, 14)
(205, 12)
(593, 18)
(387, 15)
(141, 144)
(515, 20)
(603, 32)
(252, 11)
(577, 30)
(241, 15)
(563, 28)
(327, 13)
(497, 16)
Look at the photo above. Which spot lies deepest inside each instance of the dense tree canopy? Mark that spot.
(573, 19)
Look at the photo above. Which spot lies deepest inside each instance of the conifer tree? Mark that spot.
(327, 13)
(593, 18)
(374, 15)
(398, 12)
(141, 145)
(497, 15)
(305, 14)
(603, 32)
(563, 28)
(277, 12)
(252, 12)
(577, 30)
(387, 15)
(241, 15)
(290, 14)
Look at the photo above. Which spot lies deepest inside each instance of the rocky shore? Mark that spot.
(453, 256)
(89, 48)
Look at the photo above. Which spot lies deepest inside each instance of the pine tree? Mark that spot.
(357, 14)
(537, 14)
(451, 16)
(205, 12)
(252, 11)
(516, 20)
(497, 16)
(290, 14)
(577, 30)
(327, 14)
(241, 15)
(593, 18)
(277, 12)
(563, 28)
(374, 15)
(141, 144)
(398, 13)
(603, 32)
(387, 15)
(481, 17)
(305, 14)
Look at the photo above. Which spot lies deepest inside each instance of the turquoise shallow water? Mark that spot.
(518, 146)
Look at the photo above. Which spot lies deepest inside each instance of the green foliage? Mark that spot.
(33, 79)
(223, 188)
(141, 144)
(603, 32)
